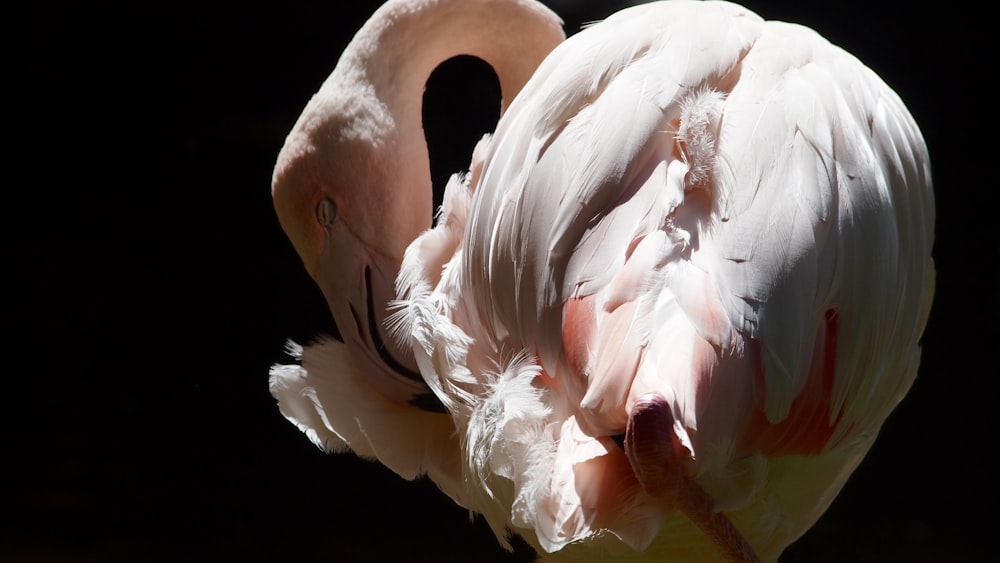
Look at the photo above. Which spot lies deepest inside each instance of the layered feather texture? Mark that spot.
(687, 200)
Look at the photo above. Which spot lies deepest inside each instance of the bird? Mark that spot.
(663, 314)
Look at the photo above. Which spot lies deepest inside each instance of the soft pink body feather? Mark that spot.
(684, 200)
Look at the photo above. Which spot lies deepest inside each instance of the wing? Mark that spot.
(733, 213)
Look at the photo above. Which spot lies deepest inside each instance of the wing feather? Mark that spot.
(688, 200)
(714, 249)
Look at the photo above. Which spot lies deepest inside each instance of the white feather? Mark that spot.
(685, 201)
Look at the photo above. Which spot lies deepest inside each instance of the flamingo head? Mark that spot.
(350, 208)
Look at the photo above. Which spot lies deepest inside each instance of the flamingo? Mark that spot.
(665, 312)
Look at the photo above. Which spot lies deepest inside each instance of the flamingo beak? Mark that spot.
(358, 284)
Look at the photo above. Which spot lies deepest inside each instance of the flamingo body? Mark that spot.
(693, 259)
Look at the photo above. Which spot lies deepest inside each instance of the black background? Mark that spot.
(152, 287)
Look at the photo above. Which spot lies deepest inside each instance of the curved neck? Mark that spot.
(405, 40)
(394, 54)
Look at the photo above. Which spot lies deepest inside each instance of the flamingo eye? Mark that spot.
(326, 212)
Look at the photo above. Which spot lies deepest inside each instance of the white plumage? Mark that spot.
(688, 216)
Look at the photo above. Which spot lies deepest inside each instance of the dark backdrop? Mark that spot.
(153, 287)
